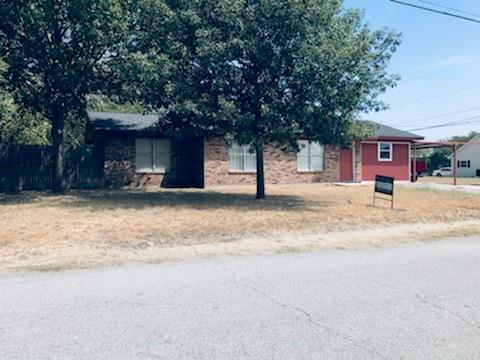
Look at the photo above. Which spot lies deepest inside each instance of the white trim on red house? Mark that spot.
(379, 158)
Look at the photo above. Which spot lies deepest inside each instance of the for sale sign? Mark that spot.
(383, 185)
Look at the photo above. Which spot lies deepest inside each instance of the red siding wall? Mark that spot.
(398, 168)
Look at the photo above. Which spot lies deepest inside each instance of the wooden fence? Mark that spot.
(29, 167)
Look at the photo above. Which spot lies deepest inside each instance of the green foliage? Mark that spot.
(464, 138)
(360, 130)
(57, 51)
(7, 105)
(26, 128)
(107, 104)
(268, 69)
(17, 126)
(256, 70)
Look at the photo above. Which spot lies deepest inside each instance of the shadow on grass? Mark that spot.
(99, 200)
(25, 197)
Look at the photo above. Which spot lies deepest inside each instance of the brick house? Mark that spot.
(136, 154)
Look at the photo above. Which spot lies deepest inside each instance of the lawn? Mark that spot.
(89, 228)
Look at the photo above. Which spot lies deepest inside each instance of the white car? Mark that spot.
(444, 171)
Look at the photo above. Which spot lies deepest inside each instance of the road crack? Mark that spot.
(444, 309)
(423, 300)
(234, 280)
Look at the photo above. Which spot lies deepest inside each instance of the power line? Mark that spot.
(470, 120)
(448, 8)
(437, 96)
(437, 116)
(436, 11)
(438, 72)
(444, 126)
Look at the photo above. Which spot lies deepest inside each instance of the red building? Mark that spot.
(386, 153)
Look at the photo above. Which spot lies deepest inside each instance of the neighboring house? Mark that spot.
(136, 154)
(468, 159)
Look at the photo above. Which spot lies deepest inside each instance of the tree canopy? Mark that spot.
(257, 70)
(57, 52)
(464, 138)
(7, 105)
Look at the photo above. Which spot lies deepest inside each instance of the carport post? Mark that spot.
(414, 167)
(455, 164)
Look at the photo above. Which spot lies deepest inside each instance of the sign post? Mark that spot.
(383, 185)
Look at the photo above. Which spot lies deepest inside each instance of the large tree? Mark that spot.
(56, 51)
(258, 71)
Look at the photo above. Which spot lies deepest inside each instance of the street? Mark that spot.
(416, 301)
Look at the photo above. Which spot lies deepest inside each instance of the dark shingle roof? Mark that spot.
(107, 121)
(122, 122)
(384, 131)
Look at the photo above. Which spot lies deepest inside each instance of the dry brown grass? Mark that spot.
(39, 230)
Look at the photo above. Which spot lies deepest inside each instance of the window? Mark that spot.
(242, 158)
(385, 151)
(463, 163)
(152, 155)
(310, 156)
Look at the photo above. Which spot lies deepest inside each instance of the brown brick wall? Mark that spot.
(280, 168)
(186, 164)
(119, 160)
(187, 169)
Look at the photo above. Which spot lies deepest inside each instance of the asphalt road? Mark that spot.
(419, 301)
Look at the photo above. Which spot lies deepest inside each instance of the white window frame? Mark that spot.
(154, 169)
(245, 152)
(379, 151)
(310, 168)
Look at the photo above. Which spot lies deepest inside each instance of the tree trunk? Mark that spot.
(260, 170)
(58, 181)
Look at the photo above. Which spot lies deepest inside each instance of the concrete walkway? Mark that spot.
(472, 189)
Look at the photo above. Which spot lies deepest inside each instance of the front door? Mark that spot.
(346, 165)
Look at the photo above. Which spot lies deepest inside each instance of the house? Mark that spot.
(468, 158)
(137, 154)
(389, 153)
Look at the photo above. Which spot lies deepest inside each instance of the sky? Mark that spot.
(439, 65)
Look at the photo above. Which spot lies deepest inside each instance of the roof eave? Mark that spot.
(394, 138)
